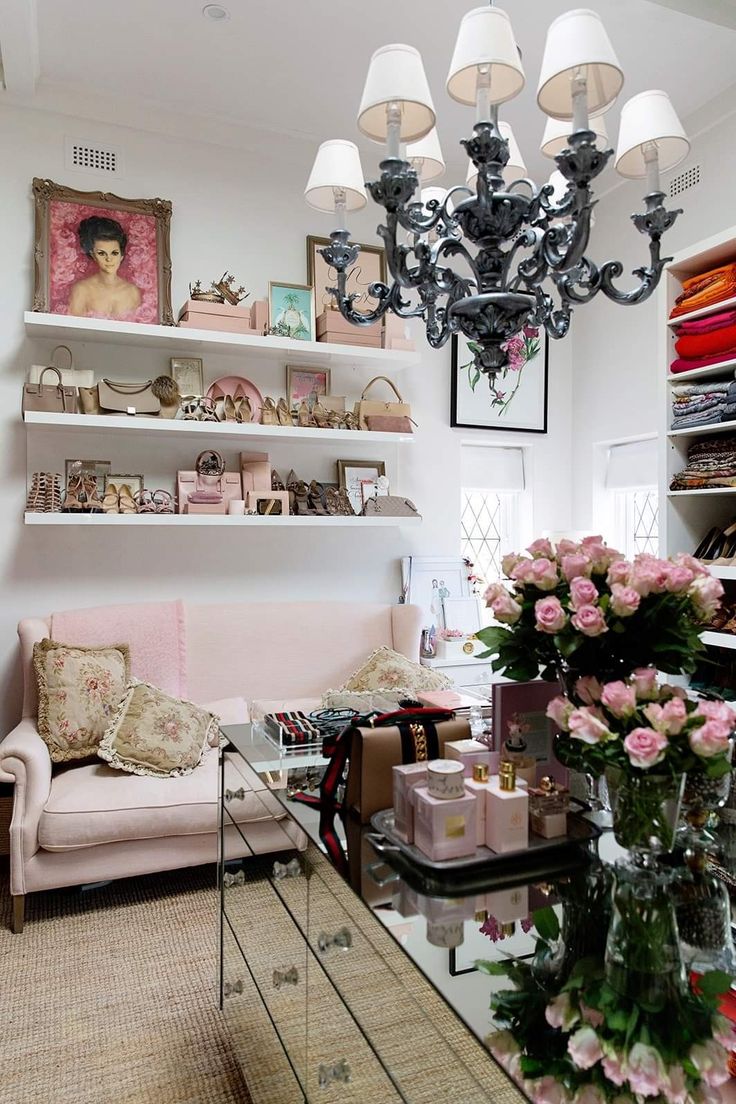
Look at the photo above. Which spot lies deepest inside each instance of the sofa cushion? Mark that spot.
(385, 669)
(155, 734)
(94, 804)
(79, 689)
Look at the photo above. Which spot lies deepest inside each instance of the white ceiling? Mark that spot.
(296, 67)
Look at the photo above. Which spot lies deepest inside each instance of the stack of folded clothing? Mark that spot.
(705, 290)
(710, 463)
(699, 404)
(704, 341)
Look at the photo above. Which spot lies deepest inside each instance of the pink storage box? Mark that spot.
(334, 329)
(470, 752)
(225, 310)
(197, 321)
(406, 777)
(444, 828)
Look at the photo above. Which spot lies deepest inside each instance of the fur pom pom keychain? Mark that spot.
(167, 392)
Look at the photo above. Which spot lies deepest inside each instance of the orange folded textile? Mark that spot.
(706, 289)
(706, 344)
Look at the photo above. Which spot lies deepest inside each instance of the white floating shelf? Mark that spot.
(714, 308)
(250, 520)
(710, 370)
(696, 431)
(220, 430)
(721, 571)
(703, 491)
(719, 639)
(178, 340)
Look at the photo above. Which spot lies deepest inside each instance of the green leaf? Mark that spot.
(714, 983)
(617, 1020)
(495, 969)
(473, 377)
(531, 1067)
(547, 924)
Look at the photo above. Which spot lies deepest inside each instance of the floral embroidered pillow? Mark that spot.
(79, 690)
(157, 735)
(385, 670)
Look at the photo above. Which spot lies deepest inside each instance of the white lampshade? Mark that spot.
(576, 41)
(485, 37)
(558, 131)
(560, 185)
(396, 75)
(649, 117)
(427, 194)
(515, 167)
(427, 151)
(336, 166)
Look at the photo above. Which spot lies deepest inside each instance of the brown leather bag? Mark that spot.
(49, 398)
(375, 751)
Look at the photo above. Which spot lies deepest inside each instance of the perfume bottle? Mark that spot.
(548, 808)
(444, 813)
(507, 812)
(514, 751)
(478, 785)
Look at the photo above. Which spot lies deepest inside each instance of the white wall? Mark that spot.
(615, 348)
(239, 209)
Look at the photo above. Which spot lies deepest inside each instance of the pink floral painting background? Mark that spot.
(67, 262)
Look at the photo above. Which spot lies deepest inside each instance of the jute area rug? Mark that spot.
(109, 995)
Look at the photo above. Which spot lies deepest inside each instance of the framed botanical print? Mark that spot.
(370, 268)
(517, 400)
(291, 311)
(353, 473)
(100, 256)
(188, 374)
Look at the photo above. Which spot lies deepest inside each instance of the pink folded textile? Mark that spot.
(154, 631)
(686, 364)
(705, 325)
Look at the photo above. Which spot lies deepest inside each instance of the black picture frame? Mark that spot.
(509, 428)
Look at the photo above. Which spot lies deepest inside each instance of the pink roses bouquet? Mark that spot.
(582, 607)
(638, 726)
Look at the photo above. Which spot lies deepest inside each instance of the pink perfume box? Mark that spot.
(444, 829)
(508, 905)
(507, 818)
(406, 777)
(470, 752)
(479, 789)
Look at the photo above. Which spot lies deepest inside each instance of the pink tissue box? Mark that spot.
(444, 829)
(470, 752)
(406, 777)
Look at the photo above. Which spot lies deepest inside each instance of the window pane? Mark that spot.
(482, 528)
(645, 509)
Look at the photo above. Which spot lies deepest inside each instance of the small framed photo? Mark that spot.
(188, 375)
(353, 473)
(430, 581)
(97, 468)
(373, 488)
(306, 384)
(134, 482)
(291, 311)
(370, 268)
(99, 256)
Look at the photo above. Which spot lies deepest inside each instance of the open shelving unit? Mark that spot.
(160, 441)
(687, 515)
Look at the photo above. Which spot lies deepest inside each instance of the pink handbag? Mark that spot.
(209, 488)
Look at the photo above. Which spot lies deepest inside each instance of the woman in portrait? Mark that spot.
(105, 294)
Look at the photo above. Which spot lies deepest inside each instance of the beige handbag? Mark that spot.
(110, 397)
(369, 408)
(390, 506)
(49, 398)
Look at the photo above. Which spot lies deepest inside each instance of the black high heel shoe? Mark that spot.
(706, 542)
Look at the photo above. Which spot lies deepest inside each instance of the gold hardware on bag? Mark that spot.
(419, 736)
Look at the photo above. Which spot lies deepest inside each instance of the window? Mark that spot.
(492, 484)
(631, 472)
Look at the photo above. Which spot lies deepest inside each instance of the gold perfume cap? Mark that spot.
(480, 772)
(508, 929)
(507, 775)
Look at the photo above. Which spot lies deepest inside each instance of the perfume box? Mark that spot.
(479, 789)
(444, 828)
(406, 777)
(508, 905)
(470, 752)
(507, 818)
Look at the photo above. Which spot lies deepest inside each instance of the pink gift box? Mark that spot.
(367, 341)
(507, 818)
(332, 322)
(406, 777)
(259, 315)
(470, 752)
(479, 789)
(508, 905)
(444, 829)
(224, 310)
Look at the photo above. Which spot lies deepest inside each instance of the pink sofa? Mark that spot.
(88, 823)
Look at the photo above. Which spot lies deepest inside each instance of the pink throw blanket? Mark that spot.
(154, 632)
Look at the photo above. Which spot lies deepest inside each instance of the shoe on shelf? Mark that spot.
(245, 410)
(72, 497)
(126, 501)
(338, 503)
(269, 414)
(144, 502)
(163, 502)
(706, 542)
(276, 481)
(111, 500)
(52, 493)
(36, 496)
(284, 414)
(304, 415)
(721, 618)
(728, 551)
(302, 501)
(92, 500)
(321, 415)
(229, 409)
(317, 498)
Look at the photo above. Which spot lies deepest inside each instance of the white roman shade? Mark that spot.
(491, 468)
(632, 464)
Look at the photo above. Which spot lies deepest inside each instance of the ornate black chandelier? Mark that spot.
(491, 260)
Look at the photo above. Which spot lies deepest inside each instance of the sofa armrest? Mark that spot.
(25, 761)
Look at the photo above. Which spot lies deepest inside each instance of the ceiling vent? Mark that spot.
(89, 157)
(684, 180)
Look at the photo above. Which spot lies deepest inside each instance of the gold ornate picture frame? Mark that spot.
(100, 256)
(370, 268)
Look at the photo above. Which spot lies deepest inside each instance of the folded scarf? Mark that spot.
(684, 364)
(712, 387)
(706, 289)
(705, 325)
(706, 344)
(710, 417)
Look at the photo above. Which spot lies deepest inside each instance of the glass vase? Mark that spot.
(646, 810)
(701, 800)
(703, 911)
(643, 956)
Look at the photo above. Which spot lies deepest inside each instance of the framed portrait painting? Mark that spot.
(291, 311)
(370, 268)
(517, 401)
(100, 256)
